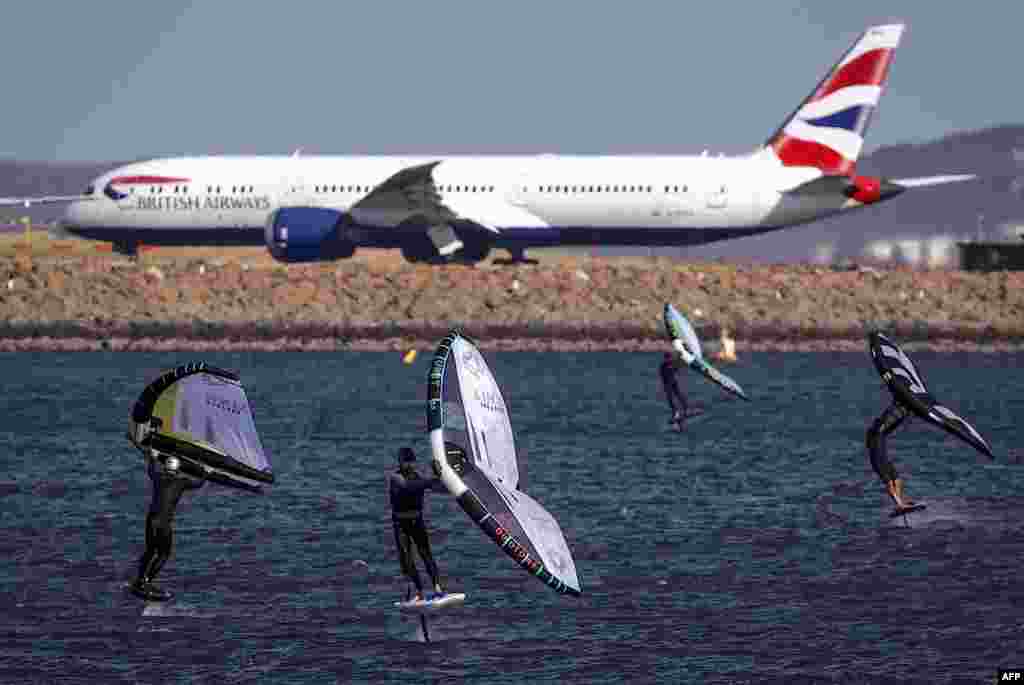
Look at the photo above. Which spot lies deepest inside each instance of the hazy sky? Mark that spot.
(125, 80)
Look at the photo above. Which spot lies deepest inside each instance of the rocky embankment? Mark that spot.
(103, 302)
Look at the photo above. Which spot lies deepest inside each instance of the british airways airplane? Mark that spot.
(457, 208)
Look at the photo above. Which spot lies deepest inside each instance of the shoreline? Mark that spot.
(500, 344)
(238, 300)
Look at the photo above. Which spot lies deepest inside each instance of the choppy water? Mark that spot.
(756, 547)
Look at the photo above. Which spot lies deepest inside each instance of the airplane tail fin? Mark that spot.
(827, 130)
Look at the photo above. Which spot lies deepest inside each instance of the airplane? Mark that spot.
(440, 209)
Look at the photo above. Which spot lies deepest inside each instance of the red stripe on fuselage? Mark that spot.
(147, 180)
(869, 69)
(796, 152)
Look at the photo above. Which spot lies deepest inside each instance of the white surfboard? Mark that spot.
(445, 601)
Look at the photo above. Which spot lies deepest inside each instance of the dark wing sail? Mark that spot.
(907, 386)
(201, 414)
(473, 448)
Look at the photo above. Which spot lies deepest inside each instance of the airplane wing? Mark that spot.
(413, 194)
(44, 200)
(933, 180)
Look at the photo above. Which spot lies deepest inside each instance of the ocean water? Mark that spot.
(755, 547)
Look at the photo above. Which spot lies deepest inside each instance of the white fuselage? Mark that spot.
(528, 200)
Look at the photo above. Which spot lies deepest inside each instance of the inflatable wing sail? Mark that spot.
(678, 328)
(201, 415)
(474, 451)
(907, 386)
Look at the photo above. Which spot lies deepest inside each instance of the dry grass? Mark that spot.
(39, 244)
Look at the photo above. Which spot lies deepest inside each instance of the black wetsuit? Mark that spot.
(880, 429)
(168, 487)
(676, 398)
(407, 490)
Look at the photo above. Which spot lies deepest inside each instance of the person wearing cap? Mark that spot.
(407, 489)
(169, 484)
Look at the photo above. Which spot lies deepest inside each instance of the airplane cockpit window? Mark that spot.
(89, 190)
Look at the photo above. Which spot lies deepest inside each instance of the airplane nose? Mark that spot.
(76, 216)
(72, 214)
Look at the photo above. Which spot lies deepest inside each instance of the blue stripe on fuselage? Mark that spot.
(170, 236)
(385, 238)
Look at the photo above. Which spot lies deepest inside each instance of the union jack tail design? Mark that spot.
(827, 130)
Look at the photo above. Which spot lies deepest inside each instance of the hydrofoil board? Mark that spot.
(448, 600)
(150, 593)
(899, 511)
(692, 415)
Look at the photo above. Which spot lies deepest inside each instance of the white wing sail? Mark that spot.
(474, 450)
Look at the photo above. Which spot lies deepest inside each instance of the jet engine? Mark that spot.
(307, 234)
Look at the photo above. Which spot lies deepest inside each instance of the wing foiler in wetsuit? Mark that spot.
(407, 488)
(169, 485)
(670, 381)
(889, 421)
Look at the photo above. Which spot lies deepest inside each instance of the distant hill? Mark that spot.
(958, 210)
(995, 154)
(28, 179)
